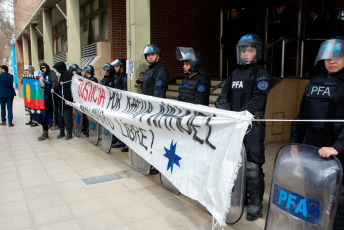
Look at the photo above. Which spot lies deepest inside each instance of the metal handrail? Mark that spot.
(283, 52)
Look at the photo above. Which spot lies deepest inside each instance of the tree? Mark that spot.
(6, 29)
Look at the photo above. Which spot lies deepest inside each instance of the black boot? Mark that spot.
(28, 123)
(118, 144)
(125, 149)
(256, 187)
(69, 136)
(62, 134)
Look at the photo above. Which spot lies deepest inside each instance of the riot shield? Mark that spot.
(168, 185)
(78, 116)
(238, 193)
(139, 163)
(106, 140)
(93, 131)
(304, 189)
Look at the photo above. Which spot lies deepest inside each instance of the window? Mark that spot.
(93, 22)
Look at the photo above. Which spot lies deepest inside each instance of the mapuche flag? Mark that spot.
(33, 95)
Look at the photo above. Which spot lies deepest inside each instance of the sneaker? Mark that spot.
(69, 136)
(62, 134)
(28, 123)
(33, 124)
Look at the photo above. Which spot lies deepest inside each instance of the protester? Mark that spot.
(247, 88)
(7, 94)
(195, 88)
(323, 99)
(120, 83)
(65, 118)
(48, 82)
(29, 71)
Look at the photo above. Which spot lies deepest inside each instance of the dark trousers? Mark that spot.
(45, 125)
(9, 102)
(65, 120)
(56, 101)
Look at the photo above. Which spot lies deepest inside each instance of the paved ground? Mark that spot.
(41, 187)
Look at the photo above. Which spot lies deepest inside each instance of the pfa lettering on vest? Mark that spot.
(237, 85)
(321, 91)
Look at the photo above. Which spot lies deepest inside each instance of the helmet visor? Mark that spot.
(185, 54)
(247, 54)
(83, 73)
(331, 49)
(103, 72)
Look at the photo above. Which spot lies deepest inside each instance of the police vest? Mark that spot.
(148, 81)
(321, 101)
(241, 88)
(187, 89)
(108, 81)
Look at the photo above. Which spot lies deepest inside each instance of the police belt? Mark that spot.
(323, 131)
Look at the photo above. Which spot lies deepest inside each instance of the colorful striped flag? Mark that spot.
(33, 95)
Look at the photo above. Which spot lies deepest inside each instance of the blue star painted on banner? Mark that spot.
(172, 157)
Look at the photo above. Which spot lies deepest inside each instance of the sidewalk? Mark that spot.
(41, 187)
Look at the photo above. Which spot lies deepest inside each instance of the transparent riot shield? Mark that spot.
(93, 131)
(304, 189)
(238, 193)
(168, 185)
(139, 163)
(106, 140)
(78, 116)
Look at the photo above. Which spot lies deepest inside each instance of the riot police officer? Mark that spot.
(87, 72)
(108, 72)
(156, 76)
(120, 83)
(247, 88)
(154, 82)
(74, 69)
(324, 99)
(121, 75)
(195, 88)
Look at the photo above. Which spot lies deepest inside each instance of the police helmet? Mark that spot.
(188, 54)
(151, 49)
(107, 68)
(332, 48)
(75, 67)
(119, 62)
(249, 40)
(87, 69)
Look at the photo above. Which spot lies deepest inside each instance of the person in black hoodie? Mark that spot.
(65, 118)
(324, 100)
(247, 88)
(49, 84)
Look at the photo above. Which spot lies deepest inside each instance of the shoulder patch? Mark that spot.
(201, 88)
(158, 83)
(263, 85)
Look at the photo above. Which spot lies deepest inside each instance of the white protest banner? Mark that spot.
(196, 147)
